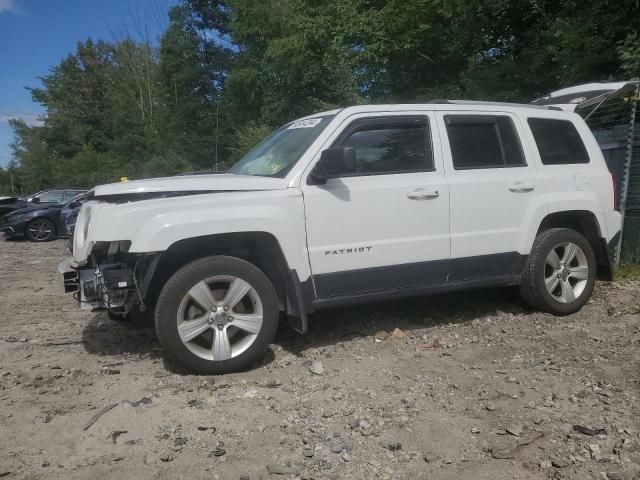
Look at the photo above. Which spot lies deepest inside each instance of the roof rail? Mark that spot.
(494, 104)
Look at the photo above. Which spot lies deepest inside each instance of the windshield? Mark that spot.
(276, 154)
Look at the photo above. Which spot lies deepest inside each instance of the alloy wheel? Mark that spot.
(220, 317)
(566, 272)
(40, 230)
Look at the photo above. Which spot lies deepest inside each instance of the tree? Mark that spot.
(193, 71)
(226, 72)
(36, 170)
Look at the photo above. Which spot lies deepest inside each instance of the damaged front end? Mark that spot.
(111, 278)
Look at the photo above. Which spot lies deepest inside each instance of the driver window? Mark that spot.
(390, 145)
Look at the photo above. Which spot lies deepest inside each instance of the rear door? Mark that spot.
(493, 186)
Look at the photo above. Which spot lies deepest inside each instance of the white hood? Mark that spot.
(193, 183)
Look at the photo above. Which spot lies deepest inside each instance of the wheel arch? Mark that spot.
(585, 223)
(261, 249)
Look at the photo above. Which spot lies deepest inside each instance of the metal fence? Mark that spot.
(616, 125)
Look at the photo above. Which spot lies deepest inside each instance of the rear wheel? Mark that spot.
(217, 315)
(560, 273)
(40, 230)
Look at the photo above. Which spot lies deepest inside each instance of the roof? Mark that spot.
(494, 104)
(437, 104)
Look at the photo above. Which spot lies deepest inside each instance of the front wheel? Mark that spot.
(217, 315)
(560, 273)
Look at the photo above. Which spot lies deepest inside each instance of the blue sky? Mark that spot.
(37, 34)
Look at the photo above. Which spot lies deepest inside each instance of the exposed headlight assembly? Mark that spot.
(81, 246)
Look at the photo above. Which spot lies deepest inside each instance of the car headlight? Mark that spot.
(81, 246)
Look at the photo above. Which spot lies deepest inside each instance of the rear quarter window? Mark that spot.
(558, 141)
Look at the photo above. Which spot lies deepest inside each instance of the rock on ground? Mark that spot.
(498, 376)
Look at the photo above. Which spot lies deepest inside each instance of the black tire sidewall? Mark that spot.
(45, 220)
(184, 279)
(549, 303)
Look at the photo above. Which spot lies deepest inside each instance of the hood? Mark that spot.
(190, 184)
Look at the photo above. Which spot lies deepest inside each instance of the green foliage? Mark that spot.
(225, 73)
(629, 52)
(248, 137)
(627, 271)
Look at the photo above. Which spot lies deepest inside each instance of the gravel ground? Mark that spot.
(466, 386)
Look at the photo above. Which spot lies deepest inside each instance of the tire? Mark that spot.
(552, 284)
(40, 230)
(237, 336)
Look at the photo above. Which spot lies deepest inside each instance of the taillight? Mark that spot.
(615, 192)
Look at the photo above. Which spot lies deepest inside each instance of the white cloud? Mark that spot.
(10, 6)
(30, 119)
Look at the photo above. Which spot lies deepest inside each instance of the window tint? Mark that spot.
(71, 194)
(483, 141)
(391, 146)
(558, 142)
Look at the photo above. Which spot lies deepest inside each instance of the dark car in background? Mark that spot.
(59, 195)
(43, 221)
(69, 214)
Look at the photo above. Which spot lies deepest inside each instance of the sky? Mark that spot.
(37, 34)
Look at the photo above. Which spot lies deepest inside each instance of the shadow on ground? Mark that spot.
(102, 336)
(338, 325)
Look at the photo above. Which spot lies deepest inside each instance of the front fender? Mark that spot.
(155, 225)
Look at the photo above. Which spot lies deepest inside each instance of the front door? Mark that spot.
(386, 226)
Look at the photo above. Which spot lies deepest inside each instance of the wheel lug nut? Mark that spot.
(226, 308)
(220, 327)
(214, 309)
(230, 319)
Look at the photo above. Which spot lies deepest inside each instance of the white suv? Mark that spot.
(354, 205)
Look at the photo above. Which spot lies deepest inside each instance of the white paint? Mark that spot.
(475, 213)
(190, 183)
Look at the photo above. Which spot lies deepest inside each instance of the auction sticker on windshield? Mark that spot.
(309, 123)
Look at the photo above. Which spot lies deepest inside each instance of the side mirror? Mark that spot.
(35, 200)
(73, 204)
(334, 162)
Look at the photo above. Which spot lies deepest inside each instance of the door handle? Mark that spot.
(522, 187)
(423, 194)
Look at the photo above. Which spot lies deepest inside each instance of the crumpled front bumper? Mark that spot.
(80, 282)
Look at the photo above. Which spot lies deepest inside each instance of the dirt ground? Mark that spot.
(471, 386)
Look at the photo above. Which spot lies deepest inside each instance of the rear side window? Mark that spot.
(558, 142)
(483, 141)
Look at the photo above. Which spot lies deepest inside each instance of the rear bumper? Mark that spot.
(613, 221)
